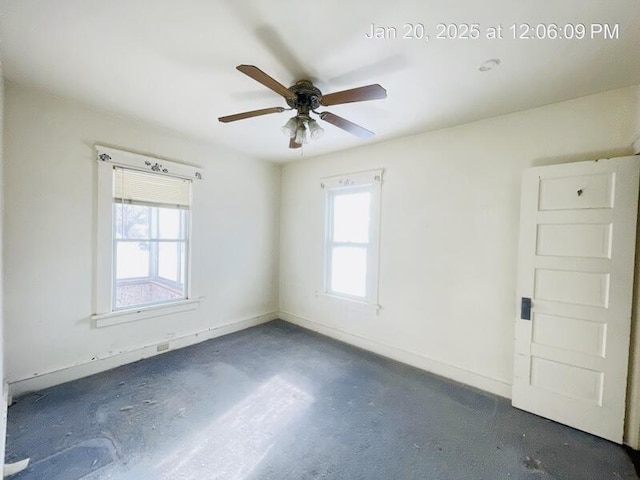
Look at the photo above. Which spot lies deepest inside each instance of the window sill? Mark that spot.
(354, 301)
(125, 316)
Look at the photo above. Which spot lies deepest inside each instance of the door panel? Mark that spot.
(578, 288)
(574, 240)
(576, 257)
(567, 380)
(571, 334)
(576, 192)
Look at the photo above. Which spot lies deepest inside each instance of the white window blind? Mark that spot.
(132, 186)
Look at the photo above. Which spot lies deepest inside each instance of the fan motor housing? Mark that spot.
(307, 96)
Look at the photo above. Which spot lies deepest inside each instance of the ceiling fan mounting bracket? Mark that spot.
(307, 96)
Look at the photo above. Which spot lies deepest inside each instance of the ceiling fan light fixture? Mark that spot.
(290, 128)
(315, 130)
(301, 134)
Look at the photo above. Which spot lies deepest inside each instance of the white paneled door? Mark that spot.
(575, 284)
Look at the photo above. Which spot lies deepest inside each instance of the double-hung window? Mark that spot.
(143, 235)
(151, 216)
(351, 235)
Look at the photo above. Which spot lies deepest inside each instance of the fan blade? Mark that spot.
(252, 113)
(261, 77)
(293, 144)
(346, 125)
(360, 94)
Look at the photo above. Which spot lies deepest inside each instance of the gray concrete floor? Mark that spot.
(278, 402)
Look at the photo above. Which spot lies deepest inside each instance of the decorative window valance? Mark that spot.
(352, 179)
(147, 163)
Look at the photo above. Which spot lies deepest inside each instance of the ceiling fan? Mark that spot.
(306, 98)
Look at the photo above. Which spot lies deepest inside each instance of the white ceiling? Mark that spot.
(172, 63)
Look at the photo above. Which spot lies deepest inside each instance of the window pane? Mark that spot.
(169, 223)
(136, 281)
(351, 217)
(131, 221)
(132, 293)
(349, 271)
(132, 260)
(170, 259)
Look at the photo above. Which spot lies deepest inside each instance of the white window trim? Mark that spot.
(107, 159)
(124, 316)
(372, 180)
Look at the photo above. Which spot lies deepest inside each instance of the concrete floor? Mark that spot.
(278, 402)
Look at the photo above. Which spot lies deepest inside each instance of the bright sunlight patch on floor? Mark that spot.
(231, 447)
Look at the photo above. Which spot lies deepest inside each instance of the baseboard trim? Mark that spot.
(63, 375)
(474, 379)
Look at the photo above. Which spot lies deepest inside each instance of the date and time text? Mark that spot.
(514, 31)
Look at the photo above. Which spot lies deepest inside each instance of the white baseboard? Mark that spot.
(63, 375)
(56, 377)
(474, 379)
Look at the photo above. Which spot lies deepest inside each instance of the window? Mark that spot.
(352, 224)
(143, 233)
(150, 238)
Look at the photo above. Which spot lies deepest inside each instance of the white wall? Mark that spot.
(3, 404)
(637, 114)
(450, 207)
(636, 144)
(50, 238)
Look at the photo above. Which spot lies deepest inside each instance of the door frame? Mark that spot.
(632, 419)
